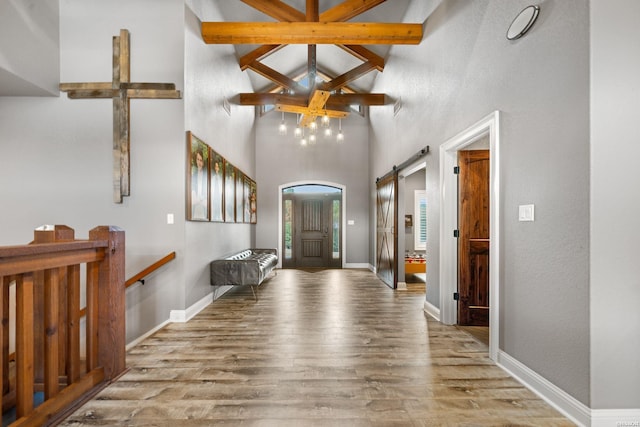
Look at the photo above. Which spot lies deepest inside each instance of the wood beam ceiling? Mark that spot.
(333, 97)
(310, 33)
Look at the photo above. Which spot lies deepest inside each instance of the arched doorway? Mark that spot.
(311, 224)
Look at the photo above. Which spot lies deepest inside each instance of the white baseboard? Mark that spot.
(356, 265)
(432, 310)
(615, 417)
(402, 286)
(570, 407)
(145, 336)
(182, 316)
(372, 268)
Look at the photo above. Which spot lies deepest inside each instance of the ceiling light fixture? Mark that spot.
(326, 121)
(298, 133)
(340, 136)
(282, 129)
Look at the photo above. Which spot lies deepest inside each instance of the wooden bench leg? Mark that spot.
(254, 292)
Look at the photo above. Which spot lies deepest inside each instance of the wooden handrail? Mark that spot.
(139, 277)
(46, 275)
(153, 267)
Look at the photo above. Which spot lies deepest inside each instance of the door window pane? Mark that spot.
(335, 222)
(288, 229)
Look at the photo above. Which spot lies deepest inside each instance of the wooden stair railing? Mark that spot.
(46, 274)
(140, 276)
(153, 267)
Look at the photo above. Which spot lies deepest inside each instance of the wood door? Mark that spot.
(473, 242)
(316, 239)
(386, 227)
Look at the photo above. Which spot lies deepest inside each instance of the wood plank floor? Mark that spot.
(318, 348)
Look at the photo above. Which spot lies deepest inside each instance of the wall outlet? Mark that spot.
(170, 218)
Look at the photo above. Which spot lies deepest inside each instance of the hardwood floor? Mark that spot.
(318, 348)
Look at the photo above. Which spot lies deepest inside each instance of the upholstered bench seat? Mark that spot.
(245, 268)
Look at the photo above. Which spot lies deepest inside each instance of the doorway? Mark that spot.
(412, 239)
(312, 226)
(488, 127)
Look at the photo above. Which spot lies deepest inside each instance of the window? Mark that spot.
(420, 231)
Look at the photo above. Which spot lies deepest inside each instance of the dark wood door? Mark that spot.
(386, 228)
(473, 242)
(316, 239)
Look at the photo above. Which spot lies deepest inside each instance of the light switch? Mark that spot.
(169, 218)
(525, 213)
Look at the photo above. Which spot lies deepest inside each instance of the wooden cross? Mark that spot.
(121, 90)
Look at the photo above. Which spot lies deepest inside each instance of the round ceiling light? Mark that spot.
(523, 22)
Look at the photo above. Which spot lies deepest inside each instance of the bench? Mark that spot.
(245, 268)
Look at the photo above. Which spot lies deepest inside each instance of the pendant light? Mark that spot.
(298, 131)
(282, 129)
(340, 136)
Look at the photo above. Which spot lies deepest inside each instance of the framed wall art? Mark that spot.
(239, 196)
(217, 191)
(253, 202)
(229, 192)
(197, 179)
(217, 186)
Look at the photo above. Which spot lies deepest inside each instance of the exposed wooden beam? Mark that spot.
(346, 99)
(334, 102)
(277, 10)
(258, 54)
(348, 9)
(276, 77)
(305, 110)
(310, 33)
(318, 99)
(365, 55)
(348, 77)
(313, 11)
(273, 99)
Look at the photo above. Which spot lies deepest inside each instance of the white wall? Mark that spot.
(281, 160)
(58, 150)
(212, 74)
(29, 47)
(615, 204)
(464, 69)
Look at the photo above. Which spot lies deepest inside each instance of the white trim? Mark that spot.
(357, 265)
(372, 268)
(344, 215)
(402, 286)
(615, 417)
(490, 125)
(432, 310)
(182, 316)
(570, 407)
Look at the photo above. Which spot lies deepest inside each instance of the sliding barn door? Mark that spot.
(386, 228)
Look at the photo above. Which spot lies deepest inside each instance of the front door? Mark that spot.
(473, 241)
(312, 225)
(386, 227)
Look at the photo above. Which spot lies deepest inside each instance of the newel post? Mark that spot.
(111, 302)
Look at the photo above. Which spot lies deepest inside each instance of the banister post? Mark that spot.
(111, 297)
(48, 234)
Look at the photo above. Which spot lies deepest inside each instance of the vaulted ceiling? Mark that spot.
(312, 56)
